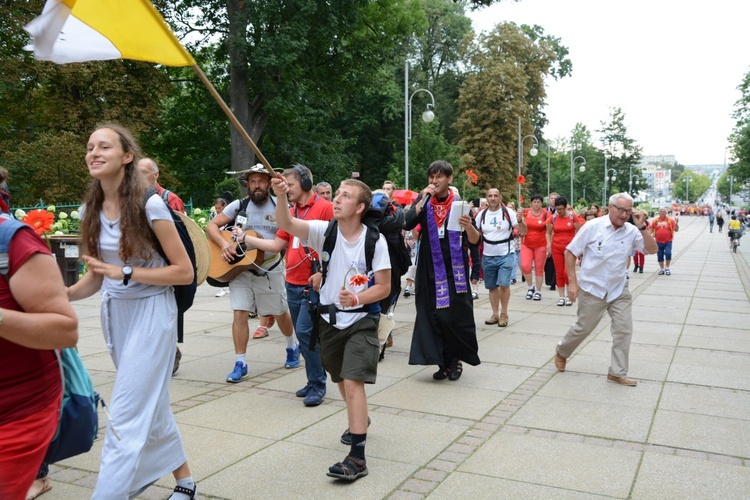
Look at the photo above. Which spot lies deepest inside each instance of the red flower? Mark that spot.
(358, 280)
(472, 176)
(521, 179)
(521, 200)
(40, 220)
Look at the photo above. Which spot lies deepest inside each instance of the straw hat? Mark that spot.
(202, 253)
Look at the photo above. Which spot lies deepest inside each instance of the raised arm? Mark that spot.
(284, 219)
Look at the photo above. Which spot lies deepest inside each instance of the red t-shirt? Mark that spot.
(316, 208)
(663, 229)
(564, 230)
(536, 229)
(29, 378)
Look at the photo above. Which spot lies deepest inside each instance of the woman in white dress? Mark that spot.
(119, 233)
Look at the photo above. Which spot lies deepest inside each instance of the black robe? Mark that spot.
(440, 334)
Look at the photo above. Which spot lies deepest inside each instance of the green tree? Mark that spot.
(623, 154)
(52, 108)
(298, 62)
(505, 81)
(690, 191)
(740, 138)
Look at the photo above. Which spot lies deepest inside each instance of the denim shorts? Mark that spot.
(497, 270)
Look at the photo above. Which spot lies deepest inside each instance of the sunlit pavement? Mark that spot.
(512, 427)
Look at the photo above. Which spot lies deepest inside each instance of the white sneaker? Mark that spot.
(220, 293)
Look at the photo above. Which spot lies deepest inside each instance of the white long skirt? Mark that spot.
(145, 444)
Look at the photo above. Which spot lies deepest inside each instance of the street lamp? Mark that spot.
(611, 178)
(427, 117)
(532, 152)
(582, 168)
(731, 180)
(604, 189)
(687, 188)
(630, 182)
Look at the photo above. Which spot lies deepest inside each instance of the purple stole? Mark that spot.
(442, 292)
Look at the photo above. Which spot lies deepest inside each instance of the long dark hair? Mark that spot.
(136, 239)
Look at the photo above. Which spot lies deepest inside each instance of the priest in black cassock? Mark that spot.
(444, 329)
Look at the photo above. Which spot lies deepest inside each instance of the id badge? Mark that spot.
(295, 243)
(441, 232)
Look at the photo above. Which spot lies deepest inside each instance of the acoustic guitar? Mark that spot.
(245, 259)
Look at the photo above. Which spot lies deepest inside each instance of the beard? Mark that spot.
(259, 197)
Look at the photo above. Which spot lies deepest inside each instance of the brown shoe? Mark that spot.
(492, 320)
(503, 320)
(560, 362)
(622, 380)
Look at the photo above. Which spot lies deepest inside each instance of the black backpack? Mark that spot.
(184, 294)
(386, 218)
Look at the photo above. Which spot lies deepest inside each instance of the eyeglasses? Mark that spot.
(628, 211)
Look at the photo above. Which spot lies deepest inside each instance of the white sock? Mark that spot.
(185, 483)
(291, 341)
(242, 357)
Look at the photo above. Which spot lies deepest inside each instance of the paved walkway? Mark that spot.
(510, 428)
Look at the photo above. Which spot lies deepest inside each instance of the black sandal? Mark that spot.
(351, 469)
(186, 491)
(457, 369)
(441, 374)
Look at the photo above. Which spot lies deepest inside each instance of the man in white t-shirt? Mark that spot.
(495, 226)
(349, 304)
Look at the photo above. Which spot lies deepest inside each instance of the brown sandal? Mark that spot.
(351, 469)
(503, 321)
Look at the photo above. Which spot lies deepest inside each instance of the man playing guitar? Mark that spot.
(261, 288)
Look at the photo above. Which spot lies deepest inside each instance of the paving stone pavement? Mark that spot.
(512, 427)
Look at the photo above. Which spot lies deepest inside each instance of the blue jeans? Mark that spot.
(295, 296)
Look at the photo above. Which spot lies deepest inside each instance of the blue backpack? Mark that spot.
(79, 423)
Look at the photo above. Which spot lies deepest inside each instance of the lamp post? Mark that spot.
(533, 151)
(582, 168)
(611, 178)
(604, 189)
(731, 180)
(630, 182)
(687, 188)
(427, 117)
(548, 163)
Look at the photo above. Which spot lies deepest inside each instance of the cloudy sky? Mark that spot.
(672, 66)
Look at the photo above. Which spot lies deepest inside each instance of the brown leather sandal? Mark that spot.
(351, 469)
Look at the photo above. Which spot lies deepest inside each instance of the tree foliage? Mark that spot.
(740, 138)
(50, 109)
(690, 191)
(505, 81)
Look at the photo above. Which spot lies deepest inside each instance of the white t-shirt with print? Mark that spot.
(352, 254)
(497, 228)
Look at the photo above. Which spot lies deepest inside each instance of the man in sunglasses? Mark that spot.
(604, 245)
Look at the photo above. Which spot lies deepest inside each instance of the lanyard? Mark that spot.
(296, 209)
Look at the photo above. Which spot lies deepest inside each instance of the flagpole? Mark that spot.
(233, 119)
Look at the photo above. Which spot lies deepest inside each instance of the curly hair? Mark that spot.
(136, 237)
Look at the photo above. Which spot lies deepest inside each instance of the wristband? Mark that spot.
(356, 300)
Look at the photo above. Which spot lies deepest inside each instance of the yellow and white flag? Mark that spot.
(96, 30)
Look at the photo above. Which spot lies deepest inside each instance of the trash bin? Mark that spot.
(65, 249)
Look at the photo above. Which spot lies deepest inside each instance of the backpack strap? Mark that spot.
(506, 216)
(7, 229)
(328, 244)
(165, 195)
